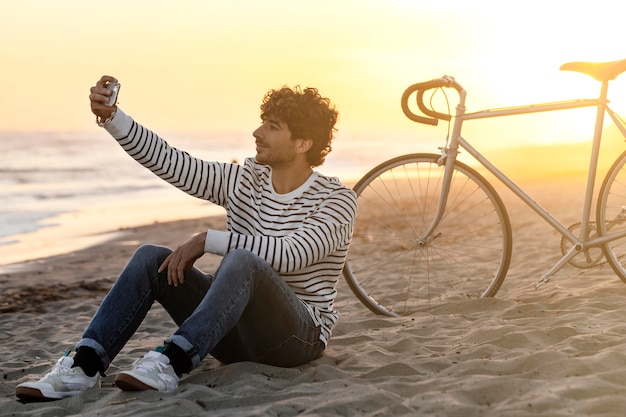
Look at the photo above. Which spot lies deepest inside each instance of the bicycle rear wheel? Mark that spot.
(611, 215)
(467, 257)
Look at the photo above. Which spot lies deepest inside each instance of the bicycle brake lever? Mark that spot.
(443, 156)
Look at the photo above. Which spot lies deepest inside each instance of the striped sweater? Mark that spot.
(304, 235)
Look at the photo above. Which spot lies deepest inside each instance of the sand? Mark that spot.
(554, 351)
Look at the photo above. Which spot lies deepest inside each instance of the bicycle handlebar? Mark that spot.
(421, 88)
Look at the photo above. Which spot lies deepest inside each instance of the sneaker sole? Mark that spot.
(128, 383)
(31, 395)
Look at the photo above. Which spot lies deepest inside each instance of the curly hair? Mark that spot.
(308, 116)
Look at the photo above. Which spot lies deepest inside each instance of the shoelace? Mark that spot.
(59, 368)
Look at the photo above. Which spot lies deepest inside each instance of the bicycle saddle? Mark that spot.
(601, 71)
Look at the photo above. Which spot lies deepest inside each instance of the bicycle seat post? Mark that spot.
(595, 152)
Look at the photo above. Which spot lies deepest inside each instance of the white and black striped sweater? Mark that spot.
(304, 235)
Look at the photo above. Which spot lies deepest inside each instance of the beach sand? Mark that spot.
(554, 351)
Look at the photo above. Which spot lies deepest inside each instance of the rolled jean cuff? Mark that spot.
(186, 346)
(97, 347)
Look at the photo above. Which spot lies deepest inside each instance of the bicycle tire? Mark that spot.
(390, 273)
(610, 215)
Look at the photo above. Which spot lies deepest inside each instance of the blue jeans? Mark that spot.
(245, 312)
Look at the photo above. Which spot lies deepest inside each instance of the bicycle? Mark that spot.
(421, 214)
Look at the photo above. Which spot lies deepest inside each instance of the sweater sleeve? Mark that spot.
(202, 179)
(120, 125)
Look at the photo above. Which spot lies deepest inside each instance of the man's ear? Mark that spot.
(303, 145)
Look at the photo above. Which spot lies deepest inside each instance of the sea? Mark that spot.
(61, 191)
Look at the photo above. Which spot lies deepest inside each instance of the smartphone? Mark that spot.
(114, 88)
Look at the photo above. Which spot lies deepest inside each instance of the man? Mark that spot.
(271, 299)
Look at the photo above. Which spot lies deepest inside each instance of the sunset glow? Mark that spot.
(197, 66)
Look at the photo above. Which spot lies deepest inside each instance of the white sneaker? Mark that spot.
(152, 372)
(62, 381)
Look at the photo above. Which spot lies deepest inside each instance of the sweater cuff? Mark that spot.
(120, 125)
(216, 242)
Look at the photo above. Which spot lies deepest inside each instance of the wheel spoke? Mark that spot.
(391, 271)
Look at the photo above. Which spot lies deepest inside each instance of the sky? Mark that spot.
(204, 66)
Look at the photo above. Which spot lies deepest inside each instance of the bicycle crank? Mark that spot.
(589, 257)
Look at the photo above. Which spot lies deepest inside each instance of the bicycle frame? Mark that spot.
(580, 243)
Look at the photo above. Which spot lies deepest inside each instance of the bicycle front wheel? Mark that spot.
(393, 270)
(611, 215)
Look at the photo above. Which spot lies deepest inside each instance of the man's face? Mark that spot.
(274, 146)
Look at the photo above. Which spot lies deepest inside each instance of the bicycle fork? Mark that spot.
(448, 157)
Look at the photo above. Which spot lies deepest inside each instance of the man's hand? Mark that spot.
(183, 258)
(99, 98)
